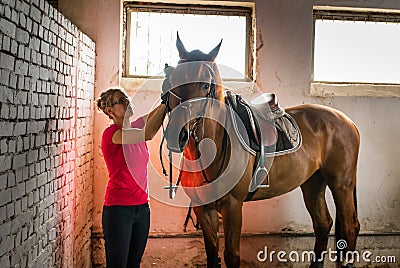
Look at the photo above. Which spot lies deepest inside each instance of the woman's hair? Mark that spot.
(106, 98)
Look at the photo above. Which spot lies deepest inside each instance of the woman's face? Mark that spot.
(121, 105)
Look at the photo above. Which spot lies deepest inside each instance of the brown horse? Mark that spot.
(328, 157)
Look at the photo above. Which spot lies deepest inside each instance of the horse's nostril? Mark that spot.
(176, 141)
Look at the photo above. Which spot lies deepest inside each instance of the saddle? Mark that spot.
(270, 131)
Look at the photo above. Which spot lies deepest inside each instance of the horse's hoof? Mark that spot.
(319, 264)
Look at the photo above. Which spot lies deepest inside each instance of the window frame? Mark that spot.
(338, 88)
(198, 8)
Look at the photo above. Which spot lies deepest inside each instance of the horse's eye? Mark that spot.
(206, 87)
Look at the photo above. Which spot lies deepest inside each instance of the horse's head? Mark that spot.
(195, 83)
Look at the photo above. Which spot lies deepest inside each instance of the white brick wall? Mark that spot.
(46, 120)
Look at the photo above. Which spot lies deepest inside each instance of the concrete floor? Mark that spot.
(181, 251)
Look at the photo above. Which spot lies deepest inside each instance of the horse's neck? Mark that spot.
(214, 132)
(214, 126)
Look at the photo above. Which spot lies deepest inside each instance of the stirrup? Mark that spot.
(255, 182)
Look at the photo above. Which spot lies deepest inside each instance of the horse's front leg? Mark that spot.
(232, 220)
(208, 219)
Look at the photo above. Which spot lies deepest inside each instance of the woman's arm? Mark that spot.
(128, 136)
(154, 121)
(135, 135)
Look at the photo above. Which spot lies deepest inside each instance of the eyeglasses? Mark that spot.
(121, 100)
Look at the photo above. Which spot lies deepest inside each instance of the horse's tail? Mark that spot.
(355, 199)
(337, 231)
(337, 223)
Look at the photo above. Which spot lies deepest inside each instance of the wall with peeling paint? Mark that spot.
(284, 42)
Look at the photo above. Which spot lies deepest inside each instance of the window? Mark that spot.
(150, 36)
(352, 46)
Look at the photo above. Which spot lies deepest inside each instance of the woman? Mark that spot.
(126, 212)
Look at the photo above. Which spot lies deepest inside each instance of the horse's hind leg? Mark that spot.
(314, 197)
(208, 220)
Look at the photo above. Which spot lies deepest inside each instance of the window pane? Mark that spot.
(356, 51)
(153, 37)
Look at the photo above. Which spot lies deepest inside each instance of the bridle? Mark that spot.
(192, 132)
(211, 95)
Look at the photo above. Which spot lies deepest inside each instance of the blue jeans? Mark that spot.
(125, 229)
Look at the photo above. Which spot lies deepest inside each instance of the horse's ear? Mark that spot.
(213, 53)
(181, 48)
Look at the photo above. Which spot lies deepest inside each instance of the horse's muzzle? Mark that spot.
(177, 138)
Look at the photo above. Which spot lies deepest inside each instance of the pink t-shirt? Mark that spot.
(127, 169)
